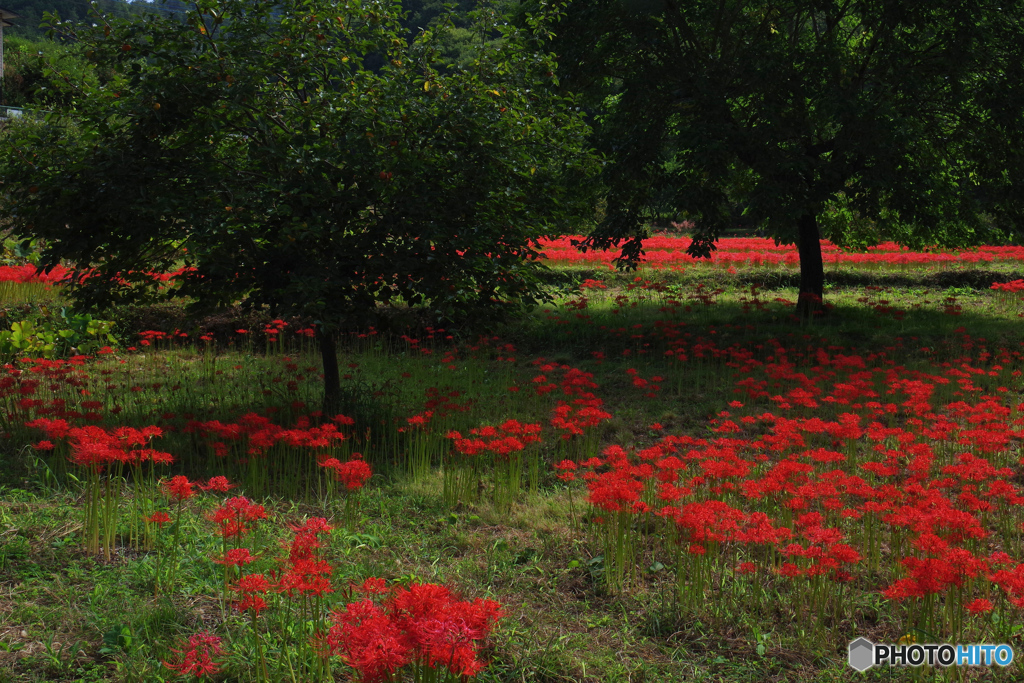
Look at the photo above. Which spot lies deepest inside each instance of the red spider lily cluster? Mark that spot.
(651, 386)
(150, 337)
(251, 590)
(353, 474)
(236, 516)
(584, 409)
(305, 572)
(570, 421)
(1013, 287)
(442, 404)
(59, 274)
(273, 329)
(28, 273)
(835, 464)
(507, 453)
(253, 435)
(197, 658)
(104, 454)
(662, 251)
(502, 441)
(71, 402)
(97, 448)
(576, 412)
(1010, 292)
(421, 627)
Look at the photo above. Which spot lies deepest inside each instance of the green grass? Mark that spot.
(21, 293)
(68, 616)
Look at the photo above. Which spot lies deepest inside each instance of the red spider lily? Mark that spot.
(445, 631)
(1012, 287)
(652, 385)
(372, 586)
(614, 491)
(251, 588)
(369, 641)
(420, 420)
(353, 474)
(219, 483)
(257, 434)
(306, 576)
(314, 525)
(236, 516)
(252, 584)
(305, 573)
(235, 557)
(251, 603)
(179, 488)
(441, 404)
(899, 452)
(159, 518)
(198, 658)
(574, 421)
(978, 606)
(566, 470)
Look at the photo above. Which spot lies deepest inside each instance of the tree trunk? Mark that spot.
(812, 267)
(332, 378)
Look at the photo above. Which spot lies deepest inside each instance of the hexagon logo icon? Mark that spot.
(862, 654)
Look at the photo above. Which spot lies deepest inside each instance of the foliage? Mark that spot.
(73, 334)
(33, 68)
(904, 114)
(15, 252)
(459, 38)
(306, 158)
(422, 14)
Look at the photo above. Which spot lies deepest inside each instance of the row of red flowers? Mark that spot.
(664, 251)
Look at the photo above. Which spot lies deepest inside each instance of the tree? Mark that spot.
(302, 156)
(906, 113)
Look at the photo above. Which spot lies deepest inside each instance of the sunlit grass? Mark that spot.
(19, 293)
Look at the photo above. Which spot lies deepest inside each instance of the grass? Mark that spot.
(66, 612)
(67, 615)
(21, 293)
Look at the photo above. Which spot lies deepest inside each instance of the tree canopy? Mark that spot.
(904, 113)
(307, 158)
